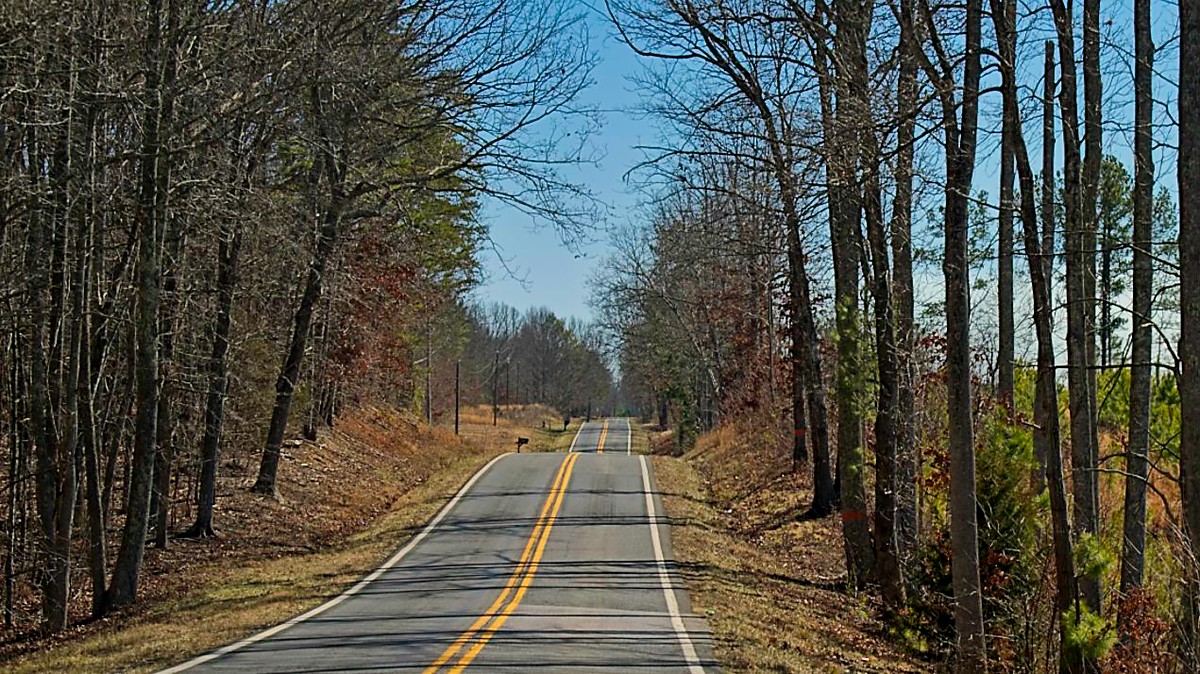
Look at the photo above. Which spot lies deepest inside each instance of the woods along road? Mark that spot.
(541, 563)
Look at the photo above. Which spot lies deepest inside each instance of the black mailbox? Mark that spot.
(521, 442)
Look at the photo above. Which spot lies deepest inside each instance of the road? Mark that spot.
(542, 563)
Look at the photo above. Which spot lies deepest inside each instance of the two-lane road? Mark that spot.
(612, 436)
(543, 562)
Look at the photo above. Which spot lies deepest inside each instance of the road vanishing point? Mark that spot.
(543, 562)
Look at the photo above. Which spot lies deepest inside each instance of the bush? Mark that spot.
(1009, 554)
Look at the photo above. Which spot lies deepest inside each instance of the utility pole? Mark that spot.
(496, 388)
(457, 364)
(429, 371)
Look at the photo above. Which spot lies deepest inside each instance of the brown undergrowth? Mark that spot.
(770, 581)
(346, 502)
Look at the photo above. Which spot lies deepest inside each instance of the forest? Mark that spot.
(946, 250)
(224, 223)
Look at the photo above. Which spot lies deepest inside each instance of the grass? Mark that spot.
(218, 592)
(639, 442)
(771, 586)
(541, 425)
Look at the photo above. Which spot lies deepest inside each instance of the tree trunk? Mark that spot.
(1133, 559)
(843, 127)
(160, 503)
(907, 526)
(1048, 142)
(123, 588)
(1090, 215)
(799, 427)
(1084, 439)
(1006, 354)
(964, 525)
(228, 250)
(890, 572)
(804, 330)
(1046, 432)
(1188, 175)
(285, 385)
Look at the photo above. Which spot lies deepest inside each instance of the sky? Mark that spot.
(529, 266)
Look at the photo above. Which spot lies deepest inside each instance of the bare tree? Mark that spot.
(1188, 174)
(1046, 434)
(959, 122)
(718, 37)
(1133, 555)
(1080, 342)
(907, 462)
(152, 195)
(1006, 356)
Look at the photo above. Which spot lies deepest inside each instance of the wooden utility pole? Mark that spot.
(457, 384)
(429, 372)
(496, 389)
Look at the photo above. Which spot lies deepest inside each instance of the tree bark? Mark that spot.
(1188, 174)
(123, 588)
(960, 133)
(289, 374)
(1048, 142)
(160, 502)
(228, 252)
(1084, 439)
(907, 462)
(327, 235)
(1006, 352)
(1046, 432)
(890, 571)
(852, 19)
(1133, 559)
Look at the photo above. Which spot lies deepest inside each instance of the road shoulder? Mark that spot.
(768, 611)
(231, 601)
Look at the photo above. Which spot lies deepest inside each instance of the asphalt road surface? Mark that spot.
(542, 563)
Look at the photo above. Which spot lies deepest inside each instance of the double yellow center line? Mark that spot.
(472, 641)
(603, 435)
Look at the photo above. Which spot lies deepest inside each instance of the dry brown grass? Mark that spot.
(540, 424)
(771, 585)
(346, 503)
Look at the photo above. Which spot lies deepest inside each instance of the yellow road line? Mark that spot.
(603, 435)
(499, 620)
(520, 578)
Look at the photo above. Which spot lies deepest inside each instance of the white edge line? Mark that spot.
(685, 641)
(576, 438)
(374, 575)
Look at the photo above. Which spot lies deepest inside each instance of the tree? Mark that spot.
(1006, 356)
(1078, 222)
(1134, 527)
(719, 39)
(152, 199)
(1188, 174)
(907, 108)
(1046, 435)
(959, 121)
(486, 74)
(845, 123)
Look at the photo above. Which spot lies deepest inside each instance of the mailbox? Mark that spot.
(521, 442)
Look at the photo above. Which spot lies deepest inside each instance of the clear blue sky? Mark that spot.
(541, 271)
